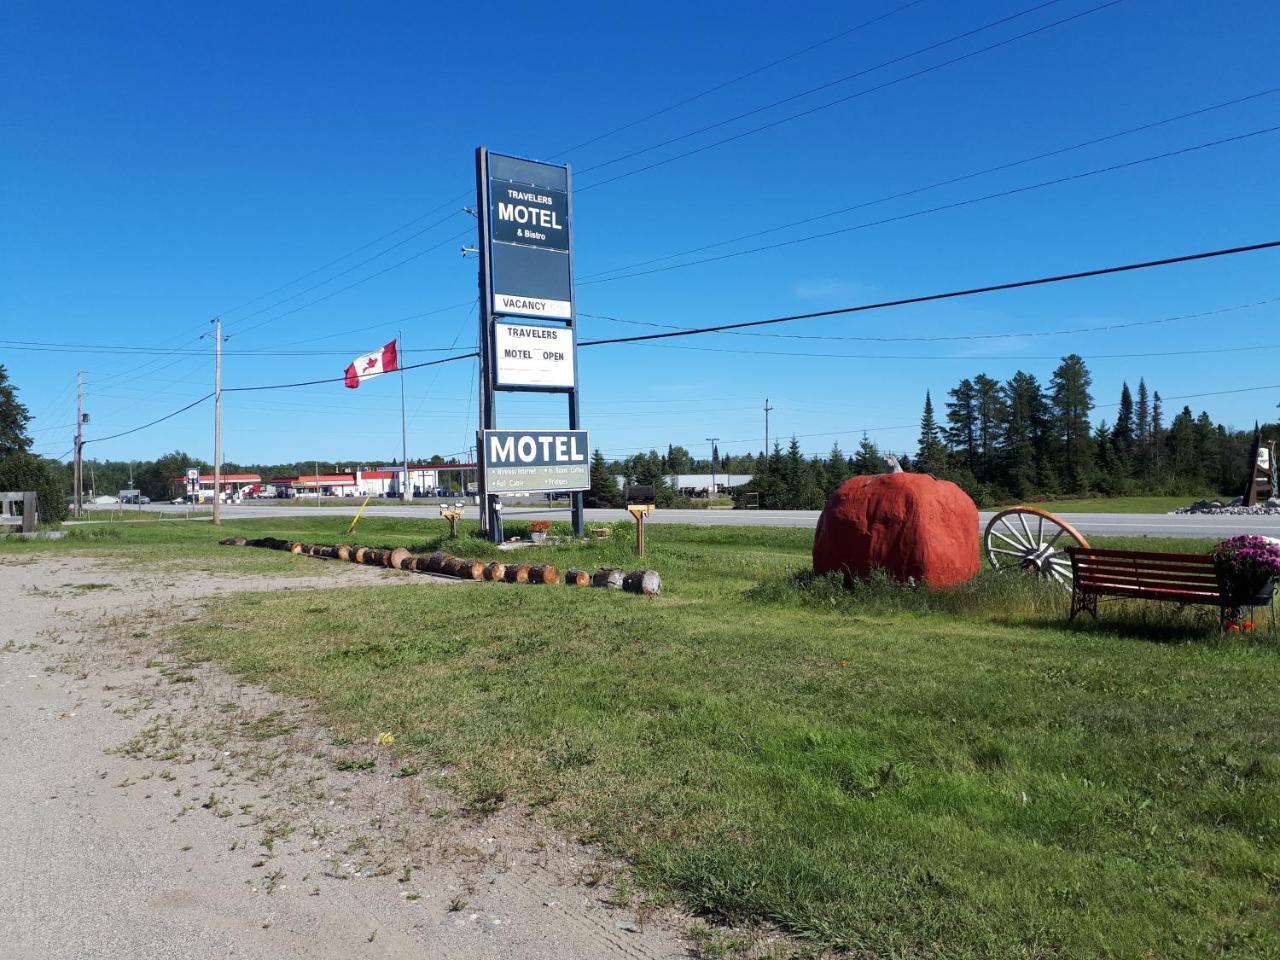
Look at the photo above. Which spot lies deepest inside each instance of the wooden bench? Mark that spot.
(1138, 575)
(20, 510)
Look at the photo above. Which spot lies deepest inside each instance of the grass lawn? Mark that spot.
(894, 772)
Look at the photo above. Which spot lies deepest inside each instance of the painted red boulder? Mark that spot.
(908, 524)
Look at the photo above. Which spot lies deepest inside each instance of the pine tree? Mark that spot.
(1072, 403)
(837, 469)
(1182, 451)
(867, 460)
(1024, 438)
(14, 418)
(962, 434)
(1142, 432)
(989, 414)
(604, 490)
(1157, 435)
(931, 455)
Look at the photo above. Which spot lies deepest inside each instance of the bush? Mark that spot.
(26, 471)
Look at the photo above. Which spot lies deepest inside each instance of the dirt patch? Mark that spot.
(162, 804)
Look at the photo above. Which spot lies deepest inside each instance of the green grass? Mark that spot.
(1118, 504)
(895, 772)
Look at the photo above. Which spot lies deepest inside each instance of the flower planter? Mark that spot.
(538, 536)
(1250, 594)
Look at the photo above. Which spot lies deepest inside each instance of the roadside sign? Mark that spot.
(531, 356)
(528, 331)
(536, 461)
(529, 238)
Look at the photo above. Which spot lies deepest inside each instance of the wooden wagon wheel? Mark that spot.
(1032, 540)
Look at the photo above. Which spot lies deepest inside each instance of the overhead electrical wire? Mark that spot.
(167, 416)
(464, 195)
(955, 38)
(356, 283)
(343, 273)
(860, 308)
(943, 207)
(738, 79)
(950, 181)
(948, 295)
(832, 103)
(968, 337)
(349, 253)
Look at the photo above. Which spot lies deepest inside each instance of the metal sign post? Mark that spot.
(528, 320)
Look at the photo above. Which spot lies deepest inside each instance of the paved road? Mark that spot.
(1097, 524)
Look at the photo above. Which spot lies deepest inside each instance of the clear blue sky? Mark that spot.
(162, 164)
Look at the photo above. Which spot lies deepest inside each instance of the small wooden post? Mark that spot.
(452, 514)
(639, 511)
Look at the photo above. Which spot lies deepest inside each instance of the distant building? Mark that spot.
(426, 480)
(699, 484)
(235, 485)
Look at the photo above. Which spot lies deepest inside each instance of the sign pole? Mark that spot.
(575, 498)
(490, 513)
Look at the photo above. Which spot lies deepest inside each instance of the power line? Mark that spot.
(308, 383)
(949, 295)
(940, 208)
(744, 76)
(950, 181)
(167, 416)
(946, 338)
(845, 99)
(356, 283)
(354, 266)
(349, 253)
(1005, 358)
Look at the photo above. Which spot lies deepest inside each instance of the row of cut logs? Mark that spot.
(647, 582)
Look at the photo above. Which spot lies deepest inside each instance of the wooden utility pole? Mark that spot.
(217, 420)
(79, 469)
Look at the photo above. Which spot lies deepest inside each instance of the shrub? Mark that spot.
(26, 471)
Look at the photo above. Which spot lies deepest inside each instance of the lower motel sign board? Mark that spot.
(536, 461)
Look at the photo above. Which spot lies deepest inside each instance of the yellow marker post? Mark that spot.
(358, 513)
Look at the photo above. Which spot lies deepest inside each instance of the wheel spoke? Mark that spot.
(1020, 547)
(1013, 531)
(1022, 519)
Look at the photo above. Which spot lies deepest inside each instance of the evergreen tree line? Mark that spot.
(1021, 440)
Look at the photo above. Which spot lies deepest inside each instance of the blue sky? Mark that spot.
(162, 164)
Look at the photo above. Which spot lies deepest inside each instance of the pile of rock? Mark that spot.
(1234, 507)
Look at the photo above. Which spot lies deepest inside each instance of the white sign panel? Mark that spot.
(529, 355)
(508, 304)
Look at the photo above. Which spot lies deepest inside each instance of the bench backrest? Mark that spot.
(1135, 572)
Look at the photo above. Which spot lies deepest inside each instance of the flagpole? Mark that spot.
(404, 432)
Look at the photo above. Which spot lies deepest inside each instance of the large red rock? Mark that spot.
(909, 524)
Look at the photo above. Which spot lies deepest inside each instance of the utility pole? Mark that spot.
(767, 408)
(217, 420)
(79, 469)
(712, 492)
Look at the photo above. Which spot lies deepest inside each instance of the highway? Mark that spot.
(1089, 524)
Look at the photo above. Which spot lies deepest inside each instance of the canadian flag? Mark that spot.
(372, 364)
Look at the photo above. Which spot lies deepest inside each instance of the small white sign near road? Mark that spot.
(529, 355)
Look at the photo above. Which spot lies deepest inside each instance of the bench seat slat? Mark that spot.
(1155, 593)
(1109, 563)
(1165, 572)
(1199, 559)
(1153, 576)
